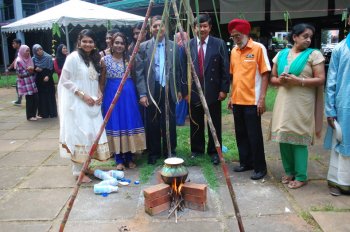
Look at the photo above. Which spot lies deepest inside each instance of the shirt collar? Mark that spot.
(206, 40)
(159, 42)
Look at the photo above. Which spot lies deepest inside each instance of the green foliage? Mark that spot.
(7, 80)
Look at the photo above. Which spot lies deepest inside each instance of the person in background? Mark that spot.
(79, 101)
(135, 34)
(61, 55)
(109, 35)
(43, 67)
(182, 106)
(210, 58)
(125, 131)
(154, 87)
(337, 110)
(297, 114)
(26, 81)
(16, 44)
(250, 69)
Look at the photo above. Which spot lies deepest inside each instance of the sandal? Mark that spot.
(120, 167)
(33, 119)
(287, 179)
(132, 165)
(294, 184)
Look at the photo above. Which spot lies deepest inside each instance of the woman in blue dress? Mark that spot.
(125, 130)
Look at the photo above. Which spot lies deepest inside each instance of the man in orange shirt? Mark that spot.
(250, 70)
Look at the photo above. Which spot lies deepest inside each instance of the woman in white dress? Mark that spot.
(79, 99)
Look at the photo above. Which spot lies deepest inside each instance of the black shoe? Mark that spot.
(242, 168)
(152, 160)
(258, 175)
(215, 159)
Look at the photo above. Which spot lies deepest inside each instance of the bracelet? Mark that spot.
(81, 94)
(302, 81)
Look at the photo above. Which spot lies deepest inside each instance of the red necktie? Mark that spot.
(201, 60)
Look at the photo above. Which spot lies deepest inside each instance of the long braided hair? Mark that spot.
(94, 55)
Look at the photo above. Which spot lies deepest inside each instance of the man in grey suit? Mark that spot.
(210, 59)
(153, 86)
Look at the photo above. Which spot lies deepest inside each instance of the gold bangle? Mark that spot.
(81, 94)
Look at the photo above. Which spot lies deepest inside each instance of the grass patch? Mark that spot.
(7, 81)
(328, 208)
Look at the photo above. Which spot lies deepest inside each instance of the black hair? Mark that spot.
(155, 18)
(299, 29)
(202, 18)
(112, 31)
(17, 41)
(138, 25)
(125, 53)
(94, 55)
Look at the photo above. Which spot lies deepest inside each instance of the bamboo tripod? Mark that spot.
(114, 101)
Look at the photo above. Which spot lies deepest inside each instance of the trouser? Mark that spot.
(294, 160)
(31, 105)
(197, 127)
(156, 124)
(249, 137)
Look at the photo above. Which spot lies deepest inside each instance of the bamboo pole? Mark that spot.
(108, 114)
(210, 122)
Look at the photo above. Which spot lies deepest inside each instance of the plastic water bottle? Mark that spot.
(113, 182)
(116, 174)
(224, 149)
(101, 189)
(102, 175)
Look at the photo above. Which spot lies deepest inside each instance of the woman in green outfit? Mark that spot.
(297, 115)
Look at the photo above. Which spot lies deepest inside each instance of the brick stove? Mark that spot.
(160, 198)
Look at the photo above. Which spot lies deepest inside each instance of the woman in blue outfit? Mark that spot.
(125, 130)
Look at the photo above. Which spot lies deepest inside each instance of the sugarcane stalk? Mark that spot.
(108, 115)
(210, 122)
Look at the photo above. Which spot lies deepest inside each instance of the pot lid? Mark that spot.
(173, 161)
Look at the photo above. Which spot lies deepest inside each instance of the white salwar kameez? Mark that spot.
(79, 122)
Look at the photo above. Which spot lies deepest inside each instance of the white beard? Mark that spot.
(244, 42)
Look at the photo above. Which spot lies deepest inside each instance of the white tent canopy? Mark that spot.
(73, 12)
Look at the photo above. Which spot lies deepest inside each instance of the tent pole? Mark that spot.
(67, 38)
(5, 52)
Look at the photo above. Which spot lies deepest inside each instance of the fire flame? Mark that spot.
(176, 188)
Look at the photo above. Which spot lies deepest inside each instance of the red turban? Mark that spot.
(240, 25)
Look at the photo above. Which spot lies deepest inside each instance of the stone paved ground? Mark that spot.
(35, 184)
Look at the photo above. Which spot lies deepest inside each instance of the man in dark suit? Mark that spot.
(210, 58)
(153, 78)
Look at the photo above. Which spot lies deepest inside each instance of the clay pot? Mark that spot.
(173, 168)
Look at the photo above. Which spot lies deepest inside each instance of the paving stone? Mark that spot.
(50, 177)
(3, 193)
(24, 158)
(11, 145)
(40, 145)
(25, 226)
(57, 160)
(316, 194)
(40, 204)
(50, 134)
(255, 199)
(3, 154)
(332, 221)
(271, 223)
(20, 134)
(120, 205)
(41, 124)
(7, 125)
(10, 177)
